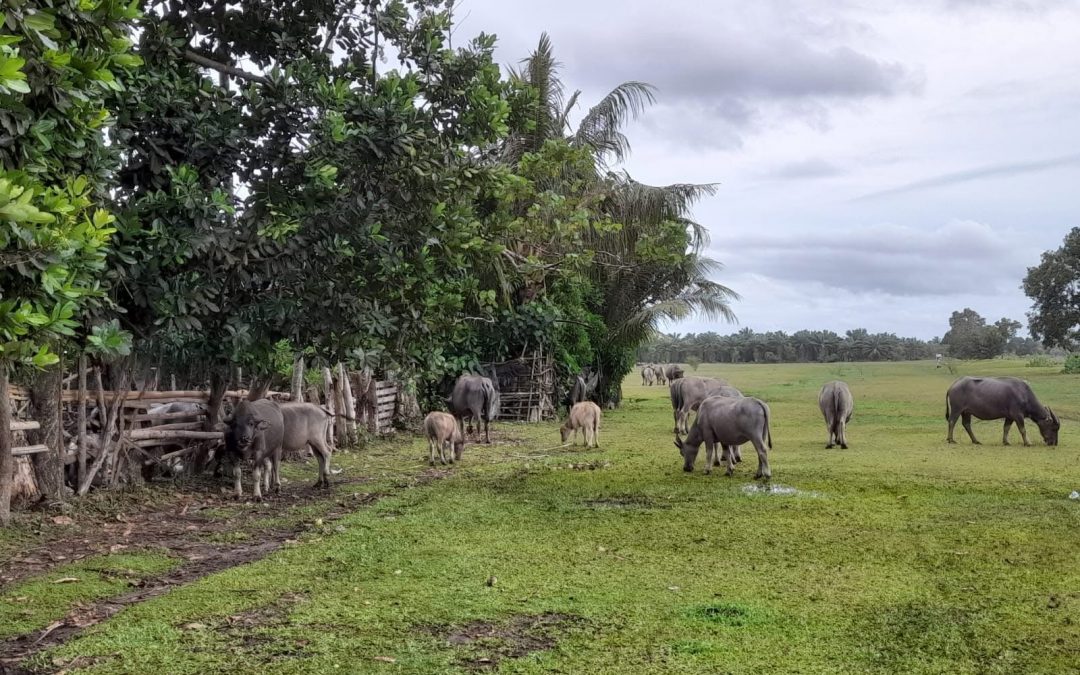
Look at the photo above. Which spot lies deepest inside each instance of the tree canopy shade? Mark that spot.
(60, 63)
(1054, 287)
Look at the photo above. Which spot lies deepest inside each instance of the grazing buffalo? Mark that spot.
(836, 405)
(673, 372)
(584, 389)
(474, 397)
(993, 398)
(443, 434)
(196, 410)
(584, 416)
(687, 393)
(659, 373)
(728, 422)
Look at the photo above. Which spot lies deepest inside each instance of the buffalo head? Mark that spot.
(688, 451)
(1049, 426)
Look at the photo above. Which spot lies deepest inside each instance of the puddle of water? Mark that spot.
(776, 489)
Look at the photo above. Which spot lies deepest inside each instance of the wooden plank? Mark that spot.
(151, 433)
(152, 417)
(29, 450)
(24, 425)
(190, 426)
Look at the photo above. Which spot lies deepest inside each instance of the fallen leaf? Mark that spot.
(66, 580)
(601, 549)
(63, 520)
(492, 580)
(194, 626)
(318, 522)
(386, 659)
(673, 588)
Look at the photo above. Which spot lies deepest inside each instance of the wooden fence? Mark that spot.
(526, 388)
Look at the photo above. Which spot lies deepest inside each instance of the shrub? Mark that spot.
(693, 362)
(1041, 361)
(1072, 365)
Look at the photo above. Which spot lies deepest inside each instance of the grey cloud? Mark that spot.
(804, 169)
(995, 171)
(957, 258)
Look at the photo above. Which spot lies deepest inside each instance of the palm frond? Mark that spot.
(601, 128)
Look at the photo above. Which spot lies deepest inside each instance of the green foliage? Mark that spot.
(1053, 287)
(694, 362)
(1042, 361)
(969, 337)
(747, 346)
(59, 65)
(1072, 364)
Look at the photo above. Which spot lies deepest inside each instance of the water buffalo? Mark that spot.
(992, 398)
(687, 393)
(474, 397)
(648, 377)
(728, 422)
(254, 432)
(586, 417)
(259, 431)
(673, 372)
(836, 405)
(443, 434)
(658, 372)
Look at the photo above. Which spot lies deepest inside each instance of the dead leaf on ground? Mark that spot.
(66, 580)
(63, 520)
(386, 659)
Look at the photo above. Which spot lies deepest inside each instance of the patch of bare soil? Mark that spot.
(486, 643)
(190, 526)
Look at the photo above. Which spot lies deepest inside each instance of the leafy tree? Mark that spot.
(1054, 287)
(969, 337)
(59, 64)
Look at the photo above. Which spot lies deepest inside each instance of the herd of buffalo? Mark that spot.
(259, 431)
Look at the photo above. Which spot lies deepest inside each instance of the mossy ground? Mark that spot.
(901, 554)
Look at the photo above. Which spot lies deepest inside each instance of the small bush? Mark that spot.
(693, 362)
(1041, 361)
(1072, 365)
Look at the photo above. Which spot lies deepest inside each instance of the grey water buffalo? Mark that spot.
(255, 432)
(259, 431)
(836, 405)
(994, 398)
(658, 372)
(648, 377)
(673, 372)
(584, 416)
(474, 397)
(728, 422)
(196, 410)
(687, 393)
(443, 434)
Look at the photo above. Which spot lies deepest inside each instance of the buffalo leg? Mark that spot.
(731, 450)
(842, 439)
(966, 421)
(675, 414)
(1005, 433)
(763, 470)
(256, 471)
(710, 455)
(487, 433)
(431, 451)
(952, 425)
(1023, 431)
(322, 453)
(237, 472)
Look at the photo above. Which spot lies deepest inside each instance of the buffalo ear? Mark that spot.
(1052, 415)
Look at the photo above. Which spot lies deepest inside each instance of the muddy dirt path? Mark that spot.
(181, 525)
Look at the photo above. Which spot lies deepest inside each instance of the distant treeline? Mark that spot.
(748, 346)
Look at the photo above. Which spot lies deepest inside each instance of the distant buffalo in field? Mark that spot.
(444, 436)
(648, 376)
(836, 405)
(687, 393)
(584, 417)
(994, 398)
(728, 423)
(475, 397)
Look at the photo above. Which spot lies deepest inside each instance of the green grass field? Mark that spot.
(901, 554)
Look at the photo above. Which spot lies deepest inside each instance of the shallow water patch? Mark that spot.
(777, 490)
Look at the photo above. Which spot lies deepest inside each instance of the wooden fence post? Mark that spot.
(331, 403)
(349, 407)
(298, 380)
(342, 425)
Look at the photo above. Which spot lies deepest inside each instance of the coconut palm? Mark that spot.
(640, 290)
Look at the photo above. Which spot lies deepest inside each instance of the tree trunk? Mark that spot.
(341, 424)
(7, 462)
(298, 381)
(350, 405)
(260, 387)
(331, 403)
(44, 389)
(82, 420)
(218, 386)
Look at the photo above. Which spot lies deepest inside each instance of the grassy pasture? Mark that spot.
(901, 554)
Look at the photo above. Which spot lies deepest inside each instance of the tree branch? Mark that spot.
(223, 68)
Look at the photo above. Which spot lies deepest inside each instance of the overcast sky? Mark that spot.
(881, 163)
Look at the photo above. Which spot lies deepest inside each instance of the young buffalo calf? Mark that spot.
(442, 430)
(586, 417)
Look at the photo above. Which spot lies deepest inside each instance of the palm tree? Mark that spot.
(639, 291)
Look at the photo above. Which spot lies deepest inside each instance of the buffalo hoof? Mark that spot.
(688, 469)
(976, 442)
(708, 471)
(830, 446)
(843, 446)
(949, 440)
